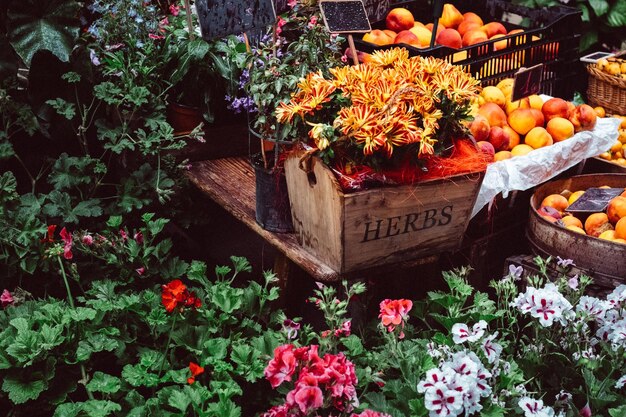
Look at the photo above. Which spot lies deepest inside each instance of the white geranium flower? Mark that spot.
(491, 349)
(433, 376)
(592, 306)
(535, 408)
(620, 382)
(545, 304)
(618, 296)
(461, 332)
(443, 402)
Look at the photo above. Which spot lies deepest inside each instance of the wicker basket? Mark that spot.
(606, 90)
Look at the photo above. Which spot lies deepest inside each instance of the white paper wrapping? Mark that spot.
(527, 171)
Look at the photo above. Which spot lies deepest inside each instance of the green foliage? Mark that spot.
(43, 25)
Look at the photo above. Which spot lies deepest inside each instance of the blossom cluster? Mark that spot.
(456, 386)
(175, 295)
(390, 102)
(319, 381)
(394, 313)
(546, 304)
(609, 316)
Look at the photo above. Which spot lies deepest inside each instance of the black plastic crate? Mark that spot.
(551, 37)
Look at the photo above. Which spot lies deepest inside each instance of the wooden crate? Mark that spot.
(351, 232)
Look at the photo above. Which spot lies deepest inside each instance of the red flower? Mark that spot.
(67, 240)
(175, 295)
(282, 366)
(195, 371)
(49, 238)
(394, 313)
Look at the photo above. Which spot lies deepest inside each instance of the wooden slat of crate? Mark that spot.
(230, 183)
(351, 232)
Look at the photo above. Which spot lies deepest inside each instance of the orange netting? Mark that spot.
(465, 158)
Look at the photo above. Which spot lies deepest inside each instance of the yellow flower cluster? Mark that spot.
(393, 100)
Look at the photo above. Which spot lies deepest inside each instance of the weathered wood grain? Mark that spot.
(230, 183)
(354, 232)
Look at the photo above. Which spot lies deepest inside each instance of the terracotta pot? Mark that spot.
(183, 118)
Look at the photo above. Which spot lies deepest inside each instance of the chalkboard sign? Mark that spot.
(527, 82)
(345, 16)
(219, 18)
(594, 200)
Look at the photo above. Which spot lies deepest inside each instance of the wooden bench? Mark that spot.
(230, 182)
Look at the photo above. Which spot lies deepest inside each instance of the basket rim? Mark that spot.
(607, 78)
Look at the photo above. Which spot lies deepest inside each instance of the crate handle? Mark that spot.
(306, 164)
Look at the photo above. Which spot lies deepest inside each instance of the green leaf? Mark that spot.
(22, 391)
(225, 408)
(101, 382)
(68, 410)
(34, 25)
(227, 299)
(179, 400)
(8, 187)
(618, 412)
(241, 264)
(492, 411)
(100, 408)
(62, 107)
(137, 376)
(600, 7)
(114, 222)
(617, 15)
(197, 271)
(217, 348)
(96, 342)
(353, 344)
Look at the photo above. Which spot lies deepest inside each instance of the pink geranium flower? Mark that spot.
(6, 299)
(282, 366)
(308, 395)
(67, 240)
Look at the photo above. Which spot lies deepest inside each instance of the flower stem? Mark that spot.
(70, 299)
(167, 346)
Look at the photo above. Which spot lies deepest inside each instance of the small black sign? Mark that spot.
(345, 16)
(594, 200)
(219, 18)
(527, 82)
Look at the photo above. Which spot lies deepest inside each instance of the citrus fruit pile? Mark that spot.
(608, 225)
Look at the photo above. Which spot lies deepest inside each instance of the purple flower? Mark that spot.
(564, 263)
(291, 328)
(573, 282)
(94, 57)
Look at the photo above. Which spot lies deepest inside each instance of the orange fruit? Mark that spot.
(620, 229)
(560, 129)
(597, 223)
(502, 155)
(600, 112)
(521, 149)
(607, 235)
(616, 209)
(556, 201)
(538, 137)
(575, 196)
(572, 221)
(576, 229)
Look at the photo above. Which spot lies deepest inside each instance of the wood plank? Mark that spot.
(230, 183)
(386, 225)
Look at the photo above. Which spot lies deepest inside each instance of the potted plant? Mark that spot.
(274, 65)
(395, 120)
(201, 72)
